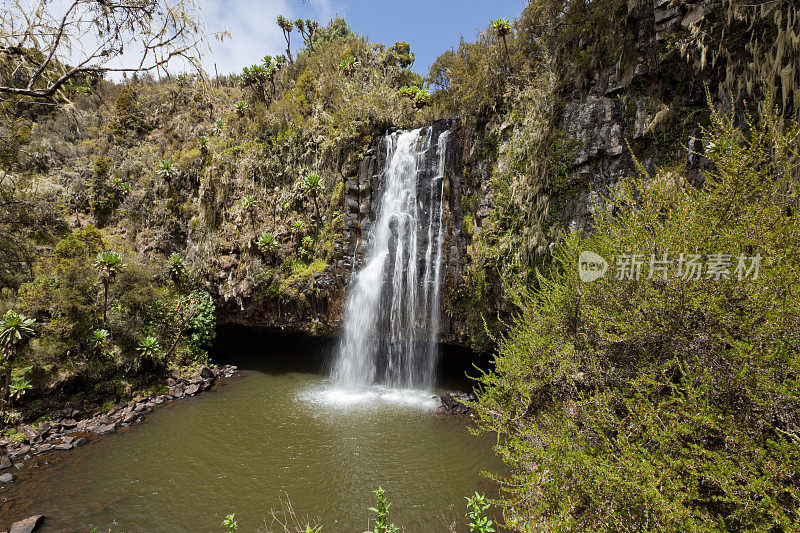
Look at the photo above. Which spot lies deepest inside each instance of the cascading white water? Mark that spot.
(392, 313)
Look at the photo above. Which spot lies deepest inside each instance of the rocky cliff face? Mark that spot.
(318, 309)
(649, 107)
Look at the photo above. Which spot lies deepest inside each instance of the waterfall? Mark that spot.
(391, 320)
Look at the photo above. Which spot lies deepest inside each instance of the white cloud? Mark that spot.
(254, 33)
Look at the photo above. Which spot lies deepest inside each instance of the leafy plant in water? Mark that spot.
(381, 509)
(476, 513)
(230, 523)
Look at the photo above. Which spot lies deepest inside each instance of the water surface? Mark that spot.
(262, 436)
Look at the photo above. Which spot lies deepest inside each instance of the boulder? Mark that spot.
(6, 478)
(29, 525)
(193, 389)
(105, 429)
(206, 373)
(454, 402)
(5, 462)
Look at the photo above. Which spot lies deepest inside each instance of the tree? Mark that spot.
(108, 264)
(313, 185)
(166, 171)
(298, 227)
(15, 331)
(240, 107)
(286, 26)
(266, 243)
(502, 28)
(249, 204)
(98, 340)
(49, 44)
(307, 29)
(149, 350)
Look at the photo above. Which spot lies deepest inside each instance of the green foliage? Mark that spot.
(399, 54)
(149, 349)
(128, 116)
(312, 183)
(418, 95)
(298, 227)
(241, 107)
(15, 330)
(230, 523)
(663, 403)
(177, 270)
(99, 340)
(381, 509)
(202, 327)
(19, 387)
(349, 64)
(476, 514)
(307, 248)
(501, 27)
(108, 264)
(266, 243)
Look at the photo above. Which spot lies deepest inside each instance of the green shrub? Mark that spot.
(663, 403)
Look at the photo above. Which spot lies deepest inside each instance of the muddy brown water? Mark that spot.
(262, 437)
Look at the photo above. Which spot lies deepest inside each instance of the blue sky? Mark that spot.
(430, 27)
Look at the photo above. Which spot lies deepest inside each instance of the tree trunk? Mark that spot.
(10, 354)
(316, 209)
(105, 300)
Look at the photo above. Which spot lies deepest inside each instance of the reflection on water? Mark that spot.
(265, 434)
